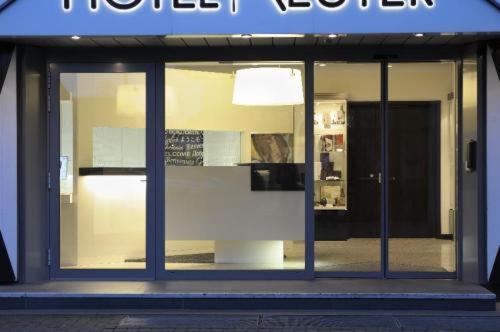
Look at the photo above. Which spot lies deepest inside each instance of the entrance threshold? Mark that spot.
(319, 294)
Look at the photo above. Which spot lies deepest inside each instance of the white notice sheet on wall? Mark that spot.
(119, 147)
(134, 147)
(221, 148)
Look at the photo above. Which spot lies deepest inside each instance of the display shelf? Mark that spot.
(330, 152)
(334, 128)
(330, 208)
(340, 180)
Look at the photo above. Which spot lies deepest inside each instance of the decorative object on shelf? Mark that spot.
(339, 142)
(272, 148)
(323, 202)
(332, 194)
(327, 120)
(327, 143)
(339, 117)
(330, 114)
(342, 197)
(336, 176)
(326, 166)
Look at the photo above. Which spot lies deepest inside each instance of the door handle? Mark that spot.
(372, 177)
(377, 177)
(470, 162)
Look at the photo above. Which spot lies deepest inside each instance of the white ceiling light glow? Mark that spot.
(131, 99)
(268, 86)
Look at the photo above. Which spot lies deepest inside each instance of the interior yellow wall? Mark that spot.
(202, 100)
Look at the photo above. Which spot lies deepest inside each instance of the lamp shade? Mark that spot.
(131, 99)
(268, 86)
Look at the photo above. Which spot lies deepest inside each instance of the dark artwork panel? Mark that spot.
(184, 148)
(272, 148)
(278, 177)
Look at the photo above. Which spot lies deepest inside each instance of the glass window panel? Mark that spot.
(422, 163)
(102, 173)
(347, 164)
(234, 153)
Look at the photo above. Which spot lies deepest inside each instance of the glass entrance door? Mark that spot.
(101, 172)
(421, 173)
(347, 168)
(384, 169)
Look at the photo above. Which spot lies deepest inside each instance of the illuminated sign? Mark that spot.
(5, 3)
(282, 6)
(285, 6)
(495, 3)
(176, 5)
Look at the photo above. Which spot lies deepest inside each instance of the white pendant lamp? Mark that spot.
(268, 86)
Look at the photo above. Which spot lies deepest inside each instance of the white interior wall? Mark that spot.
(493, 161)
(8, 163)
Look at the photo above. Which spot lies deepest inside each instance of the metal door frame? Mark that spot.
(54, 72)
(152, 61)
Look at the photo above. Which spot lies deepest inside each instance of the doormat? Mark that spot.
(203, 258)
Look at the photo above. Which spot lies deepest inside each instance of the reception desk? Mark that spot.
(218, 204)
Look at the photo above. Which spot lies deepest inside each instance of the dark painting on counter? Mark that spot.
(278, 177)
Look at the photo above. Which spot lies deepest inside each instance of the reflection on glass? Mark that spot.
(102, 173)
(234, 166)
(422, 145)
(346, 167)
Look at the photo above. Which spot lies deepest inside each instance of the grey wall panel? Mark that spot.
(8, 172)
(493, 161)
(472, 201)
(33, 194)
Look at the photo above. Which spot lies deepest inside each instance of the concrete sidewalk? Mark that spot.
(44, 321)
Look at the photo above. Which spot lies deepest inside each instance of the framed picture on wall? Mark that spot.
(272, 148)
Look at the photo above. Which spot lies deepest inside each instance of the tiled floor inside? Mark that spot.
(353, 255)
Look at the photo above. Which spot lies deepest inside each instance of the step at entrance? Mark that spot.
(321, 294)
